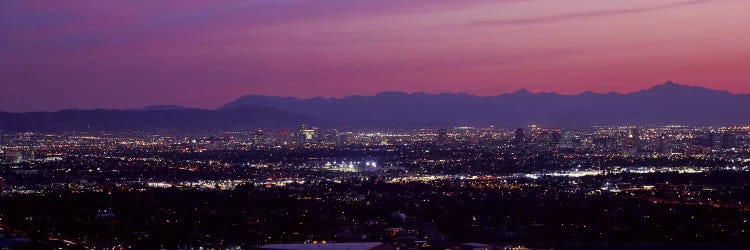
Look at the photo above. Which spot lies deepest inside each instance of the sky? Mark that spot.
(128, 54)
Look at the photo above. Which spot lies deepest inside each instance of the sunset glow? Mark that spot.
(128, 54)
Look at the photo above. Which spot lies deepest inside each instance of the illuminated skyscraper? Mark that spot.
(258, 137)
(308, 134)
(635, 134)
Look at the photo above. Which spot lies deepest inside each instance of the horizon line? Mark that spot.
(668, 82)
(521, 90)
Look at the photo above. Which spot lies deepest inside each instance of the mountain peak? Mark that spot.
(588, 93)
(672, 88)
(522, 91)
(669, 86)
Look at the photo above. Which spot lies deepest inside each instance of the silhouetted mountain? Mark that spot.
(161, 108)
(668, 103)
(182, 119)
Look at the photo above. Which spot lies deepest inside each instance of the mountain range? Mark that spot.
(668, 103)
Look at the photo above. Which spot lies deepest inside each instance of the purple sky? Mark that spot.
(127, 54)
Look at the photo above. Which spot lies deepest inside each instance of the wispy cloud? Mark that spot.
(589, 14)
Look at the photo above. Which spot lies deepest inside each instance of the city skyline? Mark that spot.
(535, 187)
(374, 125)
(197, 54)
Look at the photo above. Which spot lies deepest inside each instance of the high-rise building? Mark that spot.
(13, 156)
(663, 144)
(635, 134)
(556, 137)
(308, 134)
(711, 140)
(258, 137)
(519, 140)
(442, 137)
(728, 141)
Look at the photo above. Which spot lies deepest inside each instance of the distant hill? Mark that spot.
(668, 103)
(181, 119)
(161, 108)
